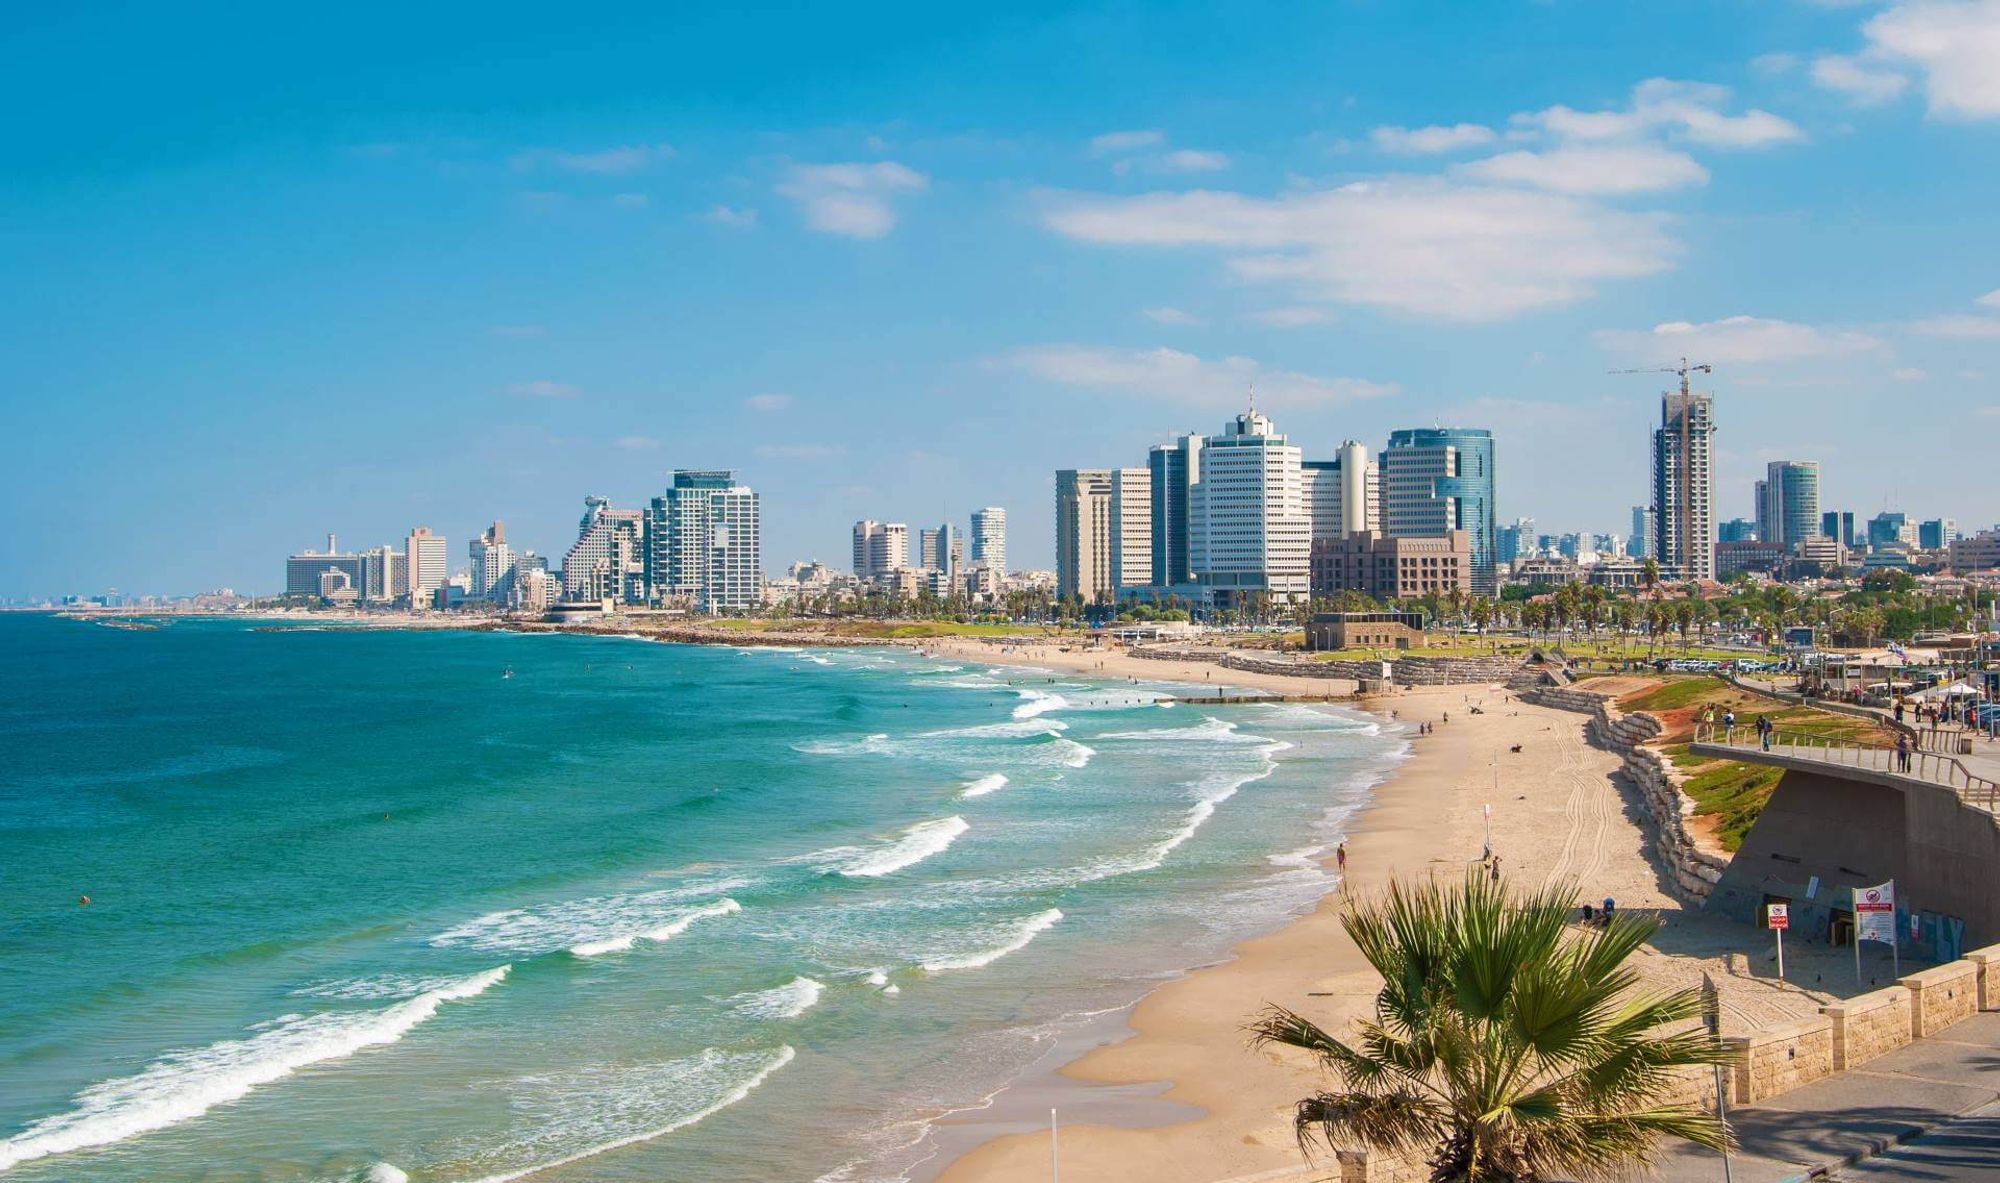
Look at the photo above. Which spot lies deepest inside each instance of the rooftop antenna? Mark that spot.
(1253, 397)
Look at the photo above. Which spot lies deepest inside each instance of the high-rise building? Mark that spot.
(1083, 535)
(704, 544)
(1131, 526)
(1891, 529)
(1439, 479)
(1174, 467)
(492, 565)
(425, 556)
(1684, 486)
(1644, 533)
(1788, 502)
(989, 539)
(880, 547)
(1249, 532)
(608, 559)
(927, 550)
(306, 572)
(951, 549)
(1343, 495)
(1737, 530)
(1937, 533)
(1839, 526)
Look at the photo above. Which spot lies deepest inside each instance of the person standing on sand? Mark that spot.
(1340, 857)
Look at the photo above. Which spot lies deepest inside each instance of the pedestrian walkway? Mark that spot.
(1855, 1114)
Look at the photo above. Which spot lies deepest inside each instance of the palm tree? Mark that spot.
(1504, 1048)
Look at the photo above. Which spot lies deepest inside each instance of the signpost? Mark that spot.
(1779, 918)
(1875, 920)
(1711, 1018)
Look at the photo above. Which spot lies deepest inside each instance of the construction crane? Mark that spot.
(1684, 369)
(1682, 536)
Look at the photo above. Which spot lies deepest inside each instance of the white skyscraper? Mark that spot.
(704, 545)
(608, 559)
(1249, 531)
(1083, 535)
(1343, 495)
(1131, 526)
(492, 568)
(427, 565)
(735, 546)
(880, 548)
(989, 539)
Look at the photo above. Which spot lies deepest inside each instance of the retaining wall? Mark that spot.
(1986, 963)
(1941, 996)
(1780, 1058)
(1869, 1025)
(1695, 869)
(1409, 670)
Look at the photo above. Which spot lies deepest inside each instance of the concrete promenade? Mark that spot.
(1859, 1113)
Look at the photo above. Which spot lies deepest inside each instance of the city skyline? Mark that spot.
(478, 292)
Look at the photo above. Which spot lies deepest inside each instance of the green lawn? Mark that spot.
(1734, 795)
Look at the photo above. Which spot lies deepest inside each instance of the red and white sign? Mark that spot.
(1777, 915)
(1875, 913)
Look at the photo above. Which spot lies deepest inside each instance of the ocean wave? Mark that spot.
(1037, 703)
(1013, 729)
(788, 1001)
(618, 1100)
(1016, 938)
(984, 785)
(665, 932)
(914, 845)
(182, 1085)
(571, 923)
(377, 987)
(1207, 731)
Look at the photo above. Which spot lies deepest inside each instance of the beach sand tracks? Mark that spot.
(1590, 808)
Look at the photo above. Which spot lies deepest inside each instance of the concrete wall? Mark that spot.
(1780, 1058)
(1869, 1025)
(1941, 996)
(1406, 670)
(1845, 833)
(1986, 964)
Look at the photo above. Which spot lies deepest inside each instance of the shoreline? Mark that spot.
(1170, 1092)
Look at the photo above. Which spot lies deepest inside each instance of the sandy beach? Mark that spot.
(1558, 813)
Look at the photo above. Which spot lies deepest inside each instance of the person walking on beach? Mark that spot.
(1340, 857)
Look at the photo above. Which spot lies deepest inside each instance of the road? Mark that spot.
(1959, 1151)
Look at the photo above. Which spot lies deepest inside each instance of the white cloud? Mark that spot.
(1425, 141)
(1864, 84)
(852, 200)
(631, 200)
(1908, 374)
(1171, 316)
(637, 443)
(1956, 43)
(768, 402)
(1178, 377)
(735, 219)
(1419, 245)
(1989, 300)
(1114, 142)
(1681, 110)
(1609, 169)
(1295, 317)
(1741, 339)
(608, 161)
(544, 389)
(1963, 327)
(1190, 160)
(800, 451)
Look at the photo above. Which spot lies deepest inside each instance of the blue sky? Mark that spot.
(267, 273)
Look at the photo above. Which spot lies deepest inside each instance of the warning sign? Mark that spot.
(1777, 915)
(1875, 913)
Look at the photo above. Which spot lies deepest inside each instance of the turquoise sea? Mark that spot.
(362, 906)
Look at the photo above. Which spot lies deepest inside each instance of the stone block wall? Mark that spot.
(1407, 670)
(1869, 1025)
(1780, 1058)
(1695, 868)
(1986, 965)
(1941, 996)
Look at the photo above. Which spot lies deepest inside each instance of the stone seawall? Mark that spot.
(1868, 1026)
(1693, 867)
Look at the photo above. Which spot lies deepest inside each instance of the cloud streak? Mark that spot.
(851, 200)
(1185, 379)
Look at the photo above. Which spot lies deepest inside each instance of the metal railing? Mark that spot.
(1934, 768)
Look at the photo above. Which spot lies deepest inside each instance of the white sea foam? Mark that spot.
(665, 932)
(1016, 939)
(183, 1085)
(984, 785)
(380, 986)
(618, 1098)
(383, 1172)
(914, 845)
(788, 1001)
(1037, 703)
(1206, 731)
(593, 920)
(1014, 729)
(1072, 753)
